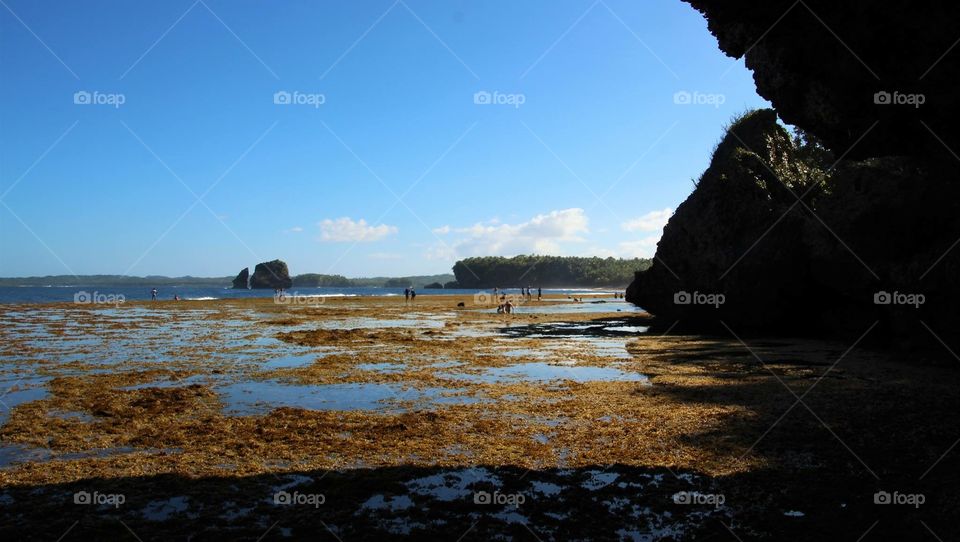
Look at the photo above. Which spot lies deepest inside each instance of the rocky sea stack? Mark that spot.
(853, 222)
(273, 275)
(242, 282)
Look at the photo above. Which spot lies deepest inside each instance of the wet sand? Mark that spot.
(559, 421)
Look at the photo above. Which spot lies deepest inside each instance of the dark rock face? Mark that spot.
(821, 63)
(795, 249)
(273, 274)
(795, 241)
(243, 279)
(710, 246)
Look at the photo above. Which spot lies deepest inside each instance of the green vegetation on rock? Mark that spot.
(546, 271)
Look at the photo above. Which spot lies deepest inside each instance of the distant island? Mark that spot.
(417, 281)
(546, 271)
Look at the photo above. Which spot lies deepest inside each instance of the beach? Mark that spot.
(366, 417)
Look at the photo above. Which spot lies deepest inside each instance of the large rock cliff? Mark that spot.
(793, 236)
(774, 240)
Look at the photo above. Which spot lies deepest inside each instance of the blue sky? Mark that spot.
(416, 133)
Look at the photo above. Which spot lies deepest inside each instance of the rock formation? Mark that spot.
(865, 228)
(242, 282)
(822, 63)
(708, 247)
(770, 240)
(273, 274)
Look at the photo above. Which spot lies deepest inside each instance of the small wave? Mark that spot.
(200, 298)
(390, 295)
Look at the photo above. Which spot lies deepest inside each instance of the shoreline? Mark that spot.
(124, 292)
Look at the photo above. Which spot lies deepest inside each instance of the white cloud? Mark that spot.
(442, 230)
(542, 234)
(640, 248)
(295, 229)
(652, 221)
(345, 229)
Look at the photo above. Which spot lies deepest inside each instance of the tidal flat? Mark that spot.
(370, 417)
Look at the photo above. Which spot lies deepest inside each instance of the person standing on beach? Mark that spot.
(406, 294)
(153, 294)
(539, 293)
(413, 294)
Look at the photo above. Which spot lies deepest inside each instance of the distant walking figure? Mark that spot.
(153, 294)
(539, 293)
(406, 294)
(413, 294)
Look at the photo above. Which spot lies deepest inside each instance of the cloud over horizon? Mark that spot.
(345, 229)
(652, 221)
(542, 234)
